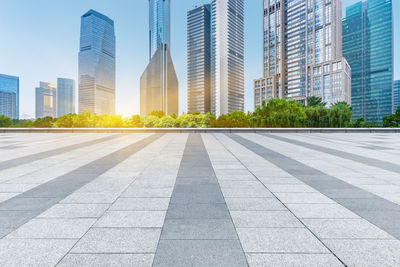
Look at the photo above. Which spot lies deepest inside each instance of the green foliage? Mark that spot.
(392, 120)
(157, 113)
(315, 102)
(317, 116)
(194, 121)
(5, 121)
(340, 115)
(136, 121)
(46, 122)
(280, 113)
(235, 119)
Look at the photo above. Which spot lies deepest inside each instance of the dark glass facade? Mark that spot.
(396, 95)
(65, 96)
(9, 96)
(199, 59)
(368, 47)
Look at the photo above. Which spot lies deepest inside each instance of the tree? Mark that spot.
(66, 121)
(340, 115)
(5, 121)
(235, 119)
(317, 116)
(46, 122)
(157, 113)
(315, 101)
(136, 121)
(392, 120)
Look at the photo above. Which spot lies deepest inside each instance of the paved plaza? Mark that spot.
(199, 199)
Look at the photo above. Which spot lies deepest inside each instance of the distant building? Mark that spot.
(368, 47)
(46, 95)
(199, 59)
(396, 94)
(9, 96)
(159, 82)
(227, 56)
(65, 96)
(97, 64)
(303, 53)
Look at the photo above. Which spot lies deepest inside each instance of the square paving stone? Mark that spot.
(75, 211)
(254, 204)
(141, 204)
(197, 198)
(345, 228)
(290, 188)
(90, 198)
(298, 260)
(53, 228)
(198, 211)
(147, 192)
(305, 198)
(14, 219)
(246, 192)
(131, 219)
(358, 252)
(334, 211)
(265, 219)
(106, 260)
(279, 240)
(199, 253)
(33, 252)
(118, 240)
(198, 229)
(28, 204)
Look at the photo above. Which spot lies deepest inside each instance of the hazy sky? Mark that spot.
(39, 41)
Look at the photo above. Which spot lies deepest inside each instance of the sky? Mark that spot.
(39, 41)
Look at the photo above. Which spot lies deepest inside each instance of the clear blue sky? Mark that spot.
(39, 41)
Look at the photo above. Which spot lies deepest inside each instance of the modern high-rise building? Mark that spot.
(159, 82)
(46, 100)
(199, 59)
(368, 47)
(9, 96)
(396, 95)
(65, 96)
(227, 56)
(302, 52)
(97, 64)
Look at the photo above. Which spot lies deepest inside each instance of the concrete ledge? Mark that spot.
(200, 130)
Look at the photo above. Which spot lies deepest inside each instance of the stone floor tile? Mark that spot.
(75, 211)
(333, 211)
(131, 219)
(298, 260)
(254, 204)
(141, 204)
(265, 219)
(106, 260)
(304, 198)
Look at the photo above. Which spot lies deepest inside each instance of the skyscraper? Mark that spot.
(46, 95)
(368, 47)
(199, 59)
(302, 52)
(9, 96)
(159, 83)
(227, 56)
(65, 96)
(97, 64)
(396, 95)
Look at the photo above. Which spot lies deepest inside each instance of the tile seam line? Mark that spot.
(176, 177)
(280, 200)
(98, 218)
(337, 153)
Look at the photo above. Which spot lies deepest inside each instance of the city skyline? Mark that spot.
(127, 78)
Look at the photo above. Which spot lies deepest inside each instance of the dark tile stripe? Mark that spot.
(22, 208)
(46, 154)
(198, 229)
(379, 211)
(346, 155)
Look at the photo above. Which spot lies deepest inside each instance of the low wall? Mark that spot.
(202, 130)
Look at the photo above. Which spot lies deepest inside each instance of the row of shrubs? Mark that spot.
(276, 113)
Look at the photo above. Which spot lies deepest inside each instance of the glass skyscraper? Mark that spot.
(9, 96)
(46, 105)
(396, 95)
(368, 47)
(160, 24)
(199, 59)
(302, 52)
(227, 56)
(159, 82)
(97, 64)
(65, 96)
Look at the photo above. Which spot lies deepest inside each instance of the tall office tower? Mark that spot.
(302, 52)
(227, 56)
(97, 64)
(9, 96)
(199, 59)
(396, 95)
(65, 96)
(159, 83)
(46, 105)
(368, 47)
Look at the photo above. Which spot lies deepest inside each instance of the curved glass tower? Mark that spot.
(97, 64)
(160, 26)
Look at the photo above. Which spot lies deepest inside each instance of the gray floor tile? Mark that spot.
(75, 211)
(106, 260)
(321, 211)
(131, 219)
(254, 204)
(298, 260)
(141, 204)
(198, 211)
(265, 219)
